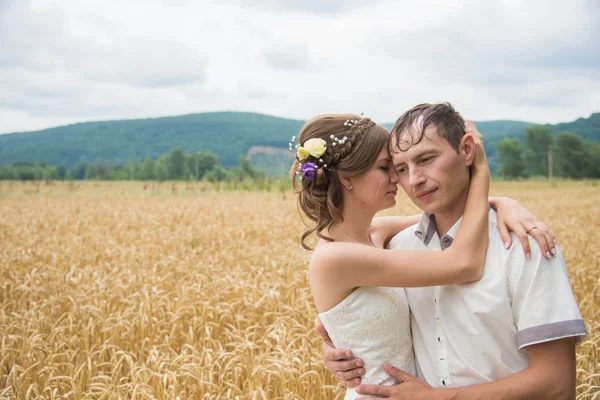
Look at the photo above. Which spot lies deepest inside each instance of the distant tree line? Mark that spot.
(176, 165)
(565, 155)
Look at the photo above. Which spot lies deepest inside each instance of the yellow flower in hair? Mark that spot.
(316, 147)
(302, 153)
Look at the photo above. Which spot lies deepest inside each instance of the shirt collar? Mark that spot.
(426, 228)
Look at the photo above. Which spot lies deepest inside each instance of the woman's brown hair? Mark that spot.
(321, 198)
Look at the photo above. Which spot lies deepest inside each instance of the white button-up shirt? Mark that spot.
(478, 332)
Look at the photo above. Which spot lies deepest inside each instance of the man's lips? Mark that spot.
(424, 195)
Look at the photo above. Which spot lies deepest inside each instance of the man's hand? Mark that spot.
(410, 387)
(345, 368)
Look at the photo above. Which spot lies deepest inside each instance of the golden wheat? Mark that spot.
(121, 290)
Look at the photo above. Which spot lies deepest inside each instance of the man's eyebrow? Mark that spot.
(417, 156)
(426, 152)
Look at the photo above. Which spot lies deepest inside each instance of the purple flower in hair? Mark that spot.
(309, 170)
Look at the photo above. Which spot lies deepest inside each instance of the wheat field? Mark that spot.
(130, 291)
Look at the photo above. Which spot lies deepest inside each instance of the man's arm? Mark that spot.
(550, 375)
(548, 322)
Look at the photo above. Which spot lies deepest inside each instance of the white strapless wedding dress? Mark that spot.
(373, 322)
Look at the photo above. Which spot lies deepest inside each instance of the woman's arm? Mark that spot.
(512, 217)
(388, 227)
(353, 265)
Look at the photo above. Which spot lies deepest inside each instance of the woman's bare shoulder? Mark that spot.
(325, 251)
(331, 255)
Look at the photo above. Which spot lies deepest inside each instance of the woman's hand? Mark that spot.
(512, 216)
(480, 157)
(480, 170)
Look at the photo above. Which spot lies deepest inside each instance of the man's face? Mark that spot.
(433, 174)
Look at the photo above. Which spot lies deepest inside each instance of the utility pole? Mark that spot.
(549, 163)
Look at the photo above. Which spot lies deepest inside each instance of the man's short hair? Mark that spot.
(410, 127)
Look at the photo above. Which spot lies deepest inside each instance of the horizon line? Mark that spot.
(108, 120)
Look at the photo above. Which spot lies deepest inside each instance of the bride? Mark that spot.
(343, 177)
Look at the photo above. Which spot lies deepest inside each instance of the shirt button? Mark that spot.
(443, 382)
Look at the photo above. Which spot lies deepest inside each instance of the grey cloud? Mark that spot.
(143, 64)
(521, 59)
(534, 60)
(287, 56)
(40, 41)
(552, 93)
(309, 6)
(48, 71)
(141, 61)
(28, 39)
(46, 94)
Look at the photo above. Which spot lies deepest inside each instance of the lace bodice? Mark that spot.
(373, 322)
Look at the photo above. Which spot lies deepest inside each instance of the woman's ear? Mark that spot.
(467, 149)
(346, 182)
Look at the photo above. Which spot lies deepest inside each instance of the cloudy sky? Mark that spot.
(67, 61)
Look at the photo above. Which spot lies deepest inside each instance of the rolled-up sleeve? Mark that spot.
(543, 305)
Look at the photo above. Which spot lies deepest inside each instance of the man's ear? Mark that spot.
(467, 149)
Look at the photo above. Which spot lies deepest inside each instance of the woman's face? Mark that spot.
(376, 188)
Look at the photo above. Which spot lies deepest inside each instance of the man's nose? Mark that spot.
(415, 177)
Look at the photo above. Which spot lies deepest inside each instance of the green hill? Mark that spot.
(227, 134)
(495, 131)
(261, 138)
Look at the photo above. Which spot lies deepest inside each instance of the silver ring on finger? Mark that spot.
(535, 227)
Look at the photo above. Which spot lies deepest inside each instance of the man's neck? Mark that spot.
(445, 220)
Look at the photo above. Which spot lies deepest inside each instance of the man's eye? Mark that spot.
(427, 159)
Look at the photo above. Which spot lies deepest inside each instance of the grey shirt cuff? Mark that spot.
(550, 332)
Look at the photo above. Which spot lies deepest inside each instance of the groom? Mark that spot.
(512, 334)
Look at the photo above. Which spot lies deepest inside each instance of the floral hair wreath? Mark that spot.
(309, 154)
